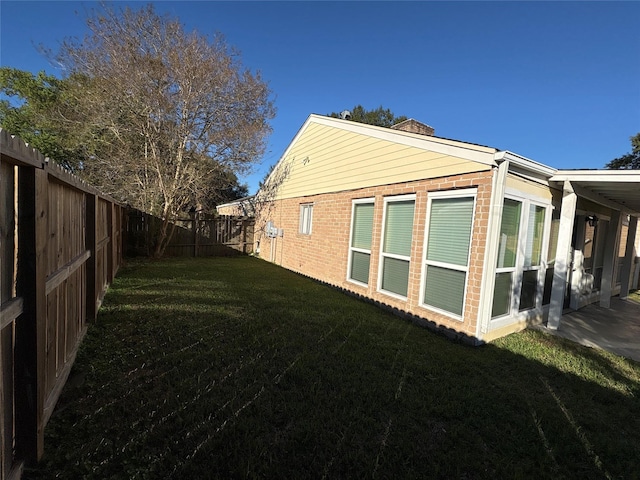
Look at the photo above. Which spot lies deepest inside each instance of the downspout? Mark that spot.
(498, 185)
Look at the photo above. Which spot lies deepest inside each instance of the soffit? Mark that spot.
(619, 187)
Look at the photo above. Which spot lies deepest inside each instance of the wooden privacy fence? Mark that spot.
(60, 247)
(198, 236)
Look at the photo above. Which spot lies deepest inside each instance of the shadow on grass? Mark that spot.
(235, 368)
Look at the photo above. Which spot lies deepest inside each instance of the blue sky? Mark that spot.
(557, 82)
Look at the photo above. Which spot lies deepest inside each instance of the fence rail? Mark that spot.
(61, 244)
(60, 247)
(198, 236)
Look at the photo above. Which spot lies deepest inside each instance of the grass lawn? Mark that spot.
(236, 368)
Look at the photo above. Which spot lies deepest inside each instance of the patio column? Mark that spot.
(577, 270)
(563, 260)
(629, 257)
(610, 259)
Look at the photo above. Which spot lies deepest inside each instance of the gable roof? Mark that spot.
(446, 146)
(330, 154)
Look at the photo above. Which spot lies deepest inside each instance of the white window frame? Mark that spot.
(383, 255)
(522, 247)
(354, 249)
(523, 232)
(306, 220)
(466, 193)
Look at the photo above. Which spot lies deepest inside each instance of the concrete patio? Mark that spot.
(615, 329)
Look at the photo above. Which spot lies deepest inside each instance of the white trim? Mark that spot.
(622, 176)
(525, 163)
(450, 266)
(358, 201)
(399, 198)
(383, 254)
(487, 284)
(464, 193)
(239, 201)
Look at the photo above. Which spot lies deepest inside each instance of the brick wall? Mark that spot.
(323, 255)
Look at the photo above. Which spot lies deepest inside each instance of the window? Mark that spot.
(306, 218)
(532, 257)
(396, 245)
(507, 252)
(521, 260)
(450, 223)
(360, 246)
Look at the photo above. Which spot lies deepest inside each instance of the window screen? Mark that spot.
(360, 247)
(396, 250)
(447, 256)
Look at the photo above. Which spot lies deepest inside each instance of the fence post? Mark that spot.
(244, 235)
(31, 325)
(194, 221)
(118, 244)
(91, 244)
(110, 234)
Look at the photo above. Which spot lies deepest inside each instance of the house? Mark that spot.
(242, 207)
(474, 240)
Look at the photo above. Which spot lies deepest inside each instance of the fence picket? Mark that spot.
(61, 244)
(46, 292)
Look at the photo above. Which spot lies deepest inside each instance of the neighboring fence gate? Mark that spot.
(198, 236)
(60, 247)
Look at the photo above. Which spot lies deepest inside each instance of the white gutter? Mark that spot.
(622, 176)
(525, 163)
(487, 284)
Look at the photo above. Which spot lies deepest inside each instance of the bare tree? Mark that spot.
(163, 112)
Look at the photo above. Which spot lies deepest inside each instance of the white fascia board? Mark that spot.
(526, 163)
(229, 204)
(622, 176)
(468, 151)
(238, 201)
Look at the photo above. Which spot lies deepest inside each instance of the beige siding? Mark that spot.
(326, 159)
(529, 187)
